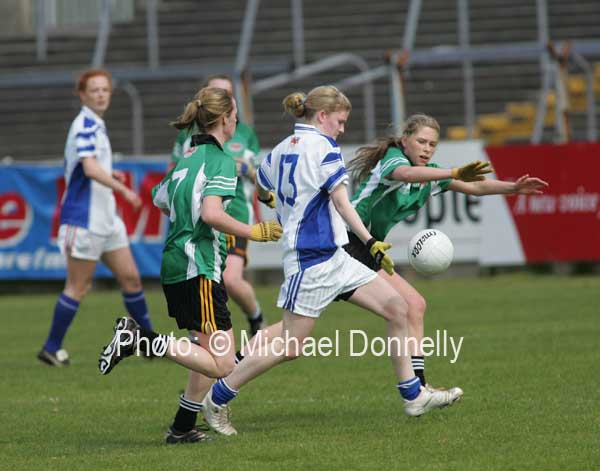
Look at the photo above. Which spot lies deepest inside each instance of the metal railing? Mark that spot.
(464, 53)
(318, 67)
(104, 26)
(300, 70)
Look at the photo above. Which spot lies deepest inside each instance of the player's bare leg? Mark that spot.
(286, 347)
(242, 292)
(416, 320)
(379, 297)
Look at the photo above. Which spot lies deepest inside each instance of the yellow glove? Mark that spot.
(270, 201)
(378, 249)
(472, 172)
(266, 231)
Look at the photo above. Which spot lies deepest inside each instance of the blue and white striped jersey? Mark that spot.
(87, 203)
(302, 170)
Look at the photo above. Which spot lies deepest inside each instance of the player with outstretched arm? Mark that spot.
(396, 178)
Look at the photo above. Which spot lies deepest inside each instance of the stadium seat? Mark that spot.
(457, 133)
(523, 110)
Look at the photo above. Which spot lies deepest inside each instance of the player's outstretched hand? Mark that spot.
(266, 231)
(378, 250)
(527, 185)
(472, 172)
(270, 201)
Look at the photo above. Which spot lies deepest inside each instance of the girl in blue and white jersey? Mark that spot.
(90, 228)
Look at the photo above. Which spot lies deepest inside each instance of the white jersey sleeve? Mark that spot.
(265, 174)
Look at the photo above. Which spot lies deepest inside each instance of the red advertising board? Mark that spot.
(563, 224)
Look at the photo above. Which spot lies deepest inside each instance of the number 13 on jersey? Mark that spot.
(286, 186)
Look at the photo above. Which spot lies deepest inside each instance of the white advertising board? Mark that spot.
(458, 215)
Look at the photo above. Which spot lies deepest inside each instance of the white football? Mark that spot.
(430, 252)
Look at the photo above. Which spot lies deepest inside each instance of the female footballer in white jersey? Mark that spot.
(90, 228)
(307, 174)
(396, 178)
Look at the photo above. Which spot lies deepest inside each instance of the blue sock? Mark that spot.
(137, 308)
(222, 393)
(410, 389)
(64, 312)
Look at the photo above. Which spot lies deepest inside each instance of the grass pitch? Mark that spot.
(528, 365)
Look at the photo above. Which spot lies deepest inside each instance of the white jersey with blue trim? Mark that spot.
(302, 170)
(87, 203)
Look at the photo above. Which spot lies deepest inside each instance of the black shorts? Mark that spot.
(237, 246)
(198, 304)
(358, 250)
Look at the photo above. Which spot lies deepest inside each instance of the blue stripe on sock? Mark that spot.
(64, 313)
(410, 389)
(222, 393)
(135, 303)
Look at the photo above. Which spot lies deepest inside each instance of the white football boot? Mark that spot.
(428, 400)
(455, 393)
(217, 417)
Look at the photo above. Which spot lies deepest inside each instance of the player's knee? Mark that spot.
(396, 311)
(78, 290)
(286, 348)
(292, 353)
(416, 307)
(225, 367)
(232, 279)
(131, 282)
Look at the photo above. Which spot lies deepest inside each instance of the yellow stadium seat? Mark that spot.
(521, 110)
(521, 129)
(576, 84)
(493, 122)
(578, 104)
(457, 133)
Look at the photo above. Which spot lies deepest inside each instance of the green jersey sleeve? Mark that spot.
(393, 159)
(160, 194)
(223, 181)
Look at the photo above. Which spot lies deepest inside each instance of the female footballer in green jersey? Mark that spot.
(243, 147)
(193, 195)
(396, 178)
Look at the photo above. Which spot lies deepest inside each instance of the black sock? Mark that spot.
(152, 344)
(184, 420)
(256, 315)
(238, 357)
(418, 364)
(186, 416)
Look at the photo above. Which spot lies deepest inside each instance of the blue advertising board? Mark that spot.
(30, 198)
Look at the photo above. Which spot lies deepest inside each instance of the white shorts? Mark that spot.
(309, 291)
(80, 243)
